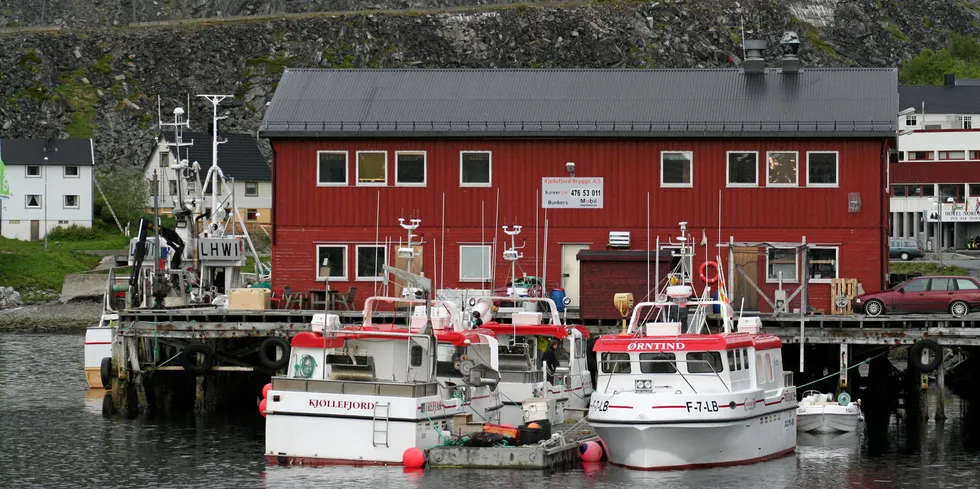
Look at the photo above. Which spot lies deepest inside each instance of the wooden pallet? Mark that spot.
(847, 287)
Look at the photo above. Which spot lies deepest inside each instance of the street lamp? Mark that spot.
(941, 235)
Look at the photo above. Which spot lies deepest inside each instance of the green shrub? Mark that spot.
(73, 233)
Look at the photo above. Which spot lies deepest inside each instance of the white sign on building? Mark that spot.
(966, 212)
(571, 193)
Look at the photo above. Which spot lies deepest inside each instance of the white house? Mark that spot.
(51, 185)
(938, 164)
(239, 158)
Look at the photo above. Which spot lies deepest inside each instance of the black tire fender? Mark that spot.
(107, 405)
(105, 371)
(188, 360)
(915, 355)
(267, 353)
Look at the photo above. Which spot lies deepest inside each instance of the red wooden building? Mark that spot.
(789, 154)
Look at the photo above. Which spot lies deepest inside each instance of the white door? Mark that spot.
(570, 271)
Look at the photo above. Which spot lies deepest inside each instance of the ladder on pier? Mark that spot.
(379, 424)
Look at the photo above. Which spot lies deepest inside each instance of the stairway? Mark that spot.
(379, 424)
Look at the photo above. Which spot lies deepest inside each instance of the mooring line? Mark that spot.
(862, 362)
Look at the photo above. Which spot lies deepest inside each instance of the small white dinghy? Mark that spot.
(819, 413)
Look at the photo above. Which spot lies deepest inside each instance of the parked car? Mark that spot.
(955, 295)
(906, 249)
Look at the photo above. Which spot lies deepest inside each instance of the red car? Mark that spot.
(955, 295)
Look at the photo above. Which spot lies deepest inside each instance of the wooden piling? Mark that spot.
(941, 392)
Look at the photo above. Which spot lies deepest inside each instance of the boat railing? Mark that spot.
(638, 317)
(672, 363)
(522, 377)
(359, 388)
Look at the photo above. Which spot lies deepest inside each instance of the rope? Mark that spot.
(436, 428)
(839, 371)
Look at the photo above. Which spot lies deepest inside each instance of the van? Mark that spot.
(906, 249)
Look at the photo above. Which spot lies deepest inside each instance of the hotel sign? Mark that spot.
(571, 193)
(967, 212)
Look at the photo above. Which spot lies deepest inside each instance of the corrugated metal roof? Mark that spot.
(68, 152)
(941, 99)
(833, 102)
(239, 158)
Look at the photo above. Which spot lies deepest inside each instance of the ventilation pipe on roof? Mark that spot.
(790, 45)
(950, 79)
(755, 62)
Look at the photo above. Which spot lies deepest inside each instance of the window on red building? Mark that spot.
(331, 168)
(371, 260)
(743, 168)
(951, 190)
(474, 263)
(676, 168)
(782, 168)
(475, 169)
(410, 168)
(372, 167)
(336, 262)
(821, 169)
(952, 155)
(781, 261)
(822, 263)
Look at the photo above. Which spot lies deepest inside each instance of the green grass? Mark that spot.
(34, 271)
(926, 268)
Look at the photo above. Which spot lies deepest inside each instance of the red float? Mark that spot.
(413, 458)
(266, 389)
(262, 407)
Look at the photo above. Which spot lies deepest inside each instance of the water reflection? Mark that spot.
(50, 419)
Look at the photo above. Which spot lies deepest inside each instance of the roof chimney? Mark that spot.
(790, 45)
(950, 80)
(49, 140)
(755, 63)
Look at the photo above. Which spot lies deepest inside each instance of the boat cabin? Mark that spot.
(666, 360)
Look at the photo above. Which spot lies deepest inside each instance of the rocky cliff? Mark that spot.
(103, 82)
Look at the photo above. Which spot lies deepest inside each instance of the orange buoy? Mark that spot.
(265, 390)
(413, 458)
(534, 426)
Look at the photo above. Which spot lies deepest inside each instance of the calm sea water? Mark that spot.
(52, 434)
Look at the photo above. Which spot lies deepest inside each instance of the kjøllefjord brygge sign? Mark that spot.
(571, 193)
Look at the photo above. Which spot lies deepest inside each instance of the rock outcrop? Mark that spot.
(104, 82)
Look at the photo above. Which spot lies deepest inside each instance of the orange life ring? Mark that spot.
(704, 278)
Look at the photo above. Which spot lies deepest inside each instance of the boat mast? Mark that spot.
(408, 252)
(214, 171)
(512, 255)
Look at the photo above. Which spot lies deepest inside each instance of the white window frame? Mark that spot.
(728, 169)
(911, 120)
(425, 169)
(316, 257)
(64, 172)
(965, 120)
(489, 247)
(836, 169)
(346, 181)
(786, 185)
(836, 265)
(357, 275)
(796, 258)
(489, 170)
(64, 201)
(40, 201)
(690, 158)
(256, 194)
(27, 171)
(357, 168)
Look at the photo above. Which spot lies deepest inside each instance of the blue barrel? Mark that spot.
(717, 307)
(558, 295)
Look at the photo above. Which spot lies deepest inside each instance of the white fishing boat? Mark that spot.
(670, 399)
(534, 327)
(168, 267)
(819, 413)
(363, 395)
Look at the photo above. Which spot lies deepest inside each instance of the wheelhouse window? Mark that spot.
(676, 168)
(416, 356)
(769, 375)
(738, 360)
(821, 169)
(410, 168)
(657, 363)
(781, 261)
(251, 189)
(782, 168)
(372, 167)
(71, 202)
(822, 263)
(743, 169)
(33, 201)
(336, 262)
(475, 168)
(370, 262)
(615, 363)
(331, 168)
(704, 362)
(474, 263)
(34, 171)
(71, 172)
